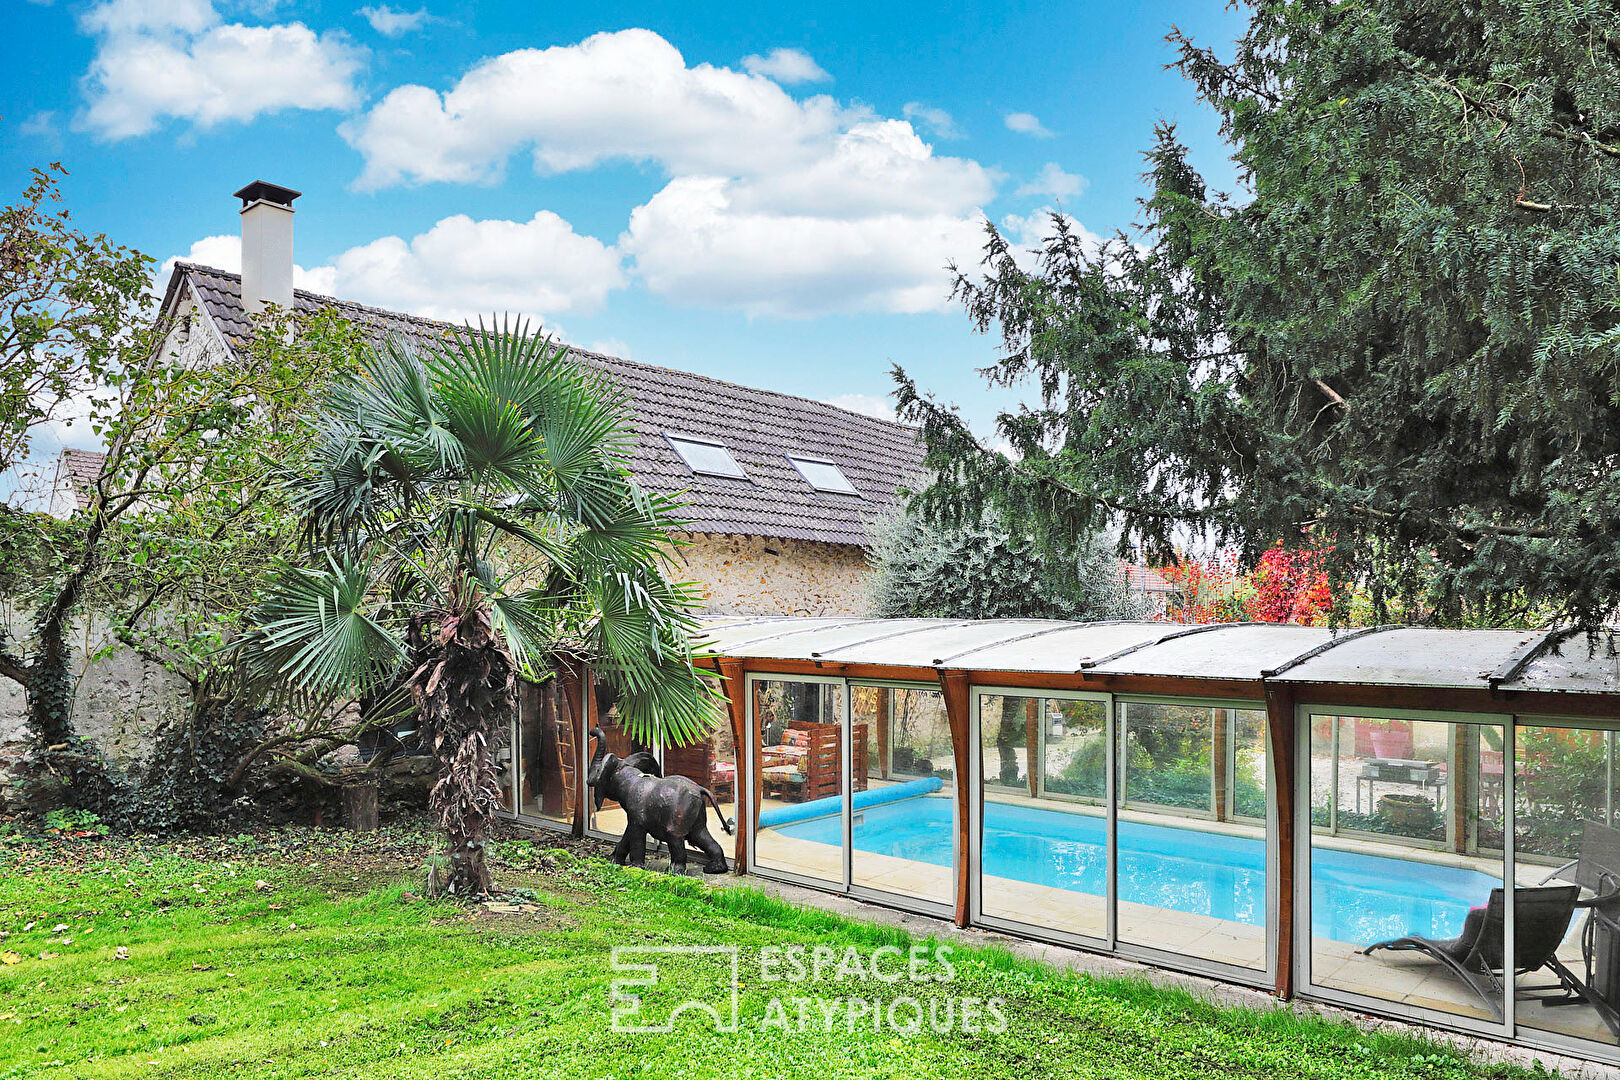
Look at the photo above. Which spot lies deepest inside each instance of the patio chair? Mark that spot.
(1597, 868)
(1541, 918)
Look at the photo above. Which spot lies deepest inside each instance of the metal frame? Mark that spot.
(885, 897)
(846, 886)
(976, 693)
(1303, 960)
(1111, 942)
(751, 731)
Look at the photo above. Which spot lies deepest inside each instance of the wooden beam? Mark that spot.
(885, 720)
(1032, 744)
(1222, 738)
(571, 675)
(736, 691)
(954, 686)
(1284, 745)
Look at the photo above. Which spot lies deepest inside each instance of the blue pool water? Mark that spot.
(1355, 897)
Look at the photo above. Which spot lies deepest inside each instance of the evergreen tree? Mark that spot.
(986, 571)
(1398, 342)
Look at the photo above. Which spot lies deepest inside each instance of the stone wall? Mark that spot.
(122, 699)
(754, 575)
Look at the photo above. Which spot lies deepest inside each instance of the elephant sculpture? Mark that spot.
(672, 809)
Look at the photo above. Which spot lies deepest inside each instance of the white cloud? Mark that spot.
(774, 206)
(865, 404)
(625, 96)
(610, 347)
(459, 269)
(790, 66)
(157, 59)
(224, 252)
(1027, 124)
(1053, 181)
(700, 242)
(390, 23)
(41, 125)
(937, 121)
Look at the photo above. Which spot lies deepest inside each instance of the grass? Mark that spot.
(303, 953)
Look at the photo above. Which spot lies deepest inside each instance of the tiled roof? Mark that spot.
(760, 427)
(81, 469)
(1146, 579)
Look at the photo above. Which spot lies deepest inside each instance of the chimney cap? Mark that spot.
(263, 189)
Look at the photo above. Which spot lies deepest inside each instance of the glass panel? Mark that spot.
(1188, 884)
(609, 817)
(1564, 796)
(904, 783)
(710, 458)
(1250, 767)
(823, 476)
(1404, 815)
(547, 752)
(711, 763)
(1043, 855)
(800, 828)
(1166, 755)
(1074, 750)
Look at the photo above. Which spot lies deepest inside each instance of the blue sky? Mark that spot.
(765, 194)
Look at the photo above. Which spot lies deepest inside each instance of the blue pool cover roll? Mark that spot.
(787, 815)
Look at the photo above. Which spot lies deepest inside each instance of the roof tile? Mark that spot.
(761, 427)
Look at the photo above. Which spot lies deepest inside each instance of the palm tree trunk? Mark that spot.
(465, 692)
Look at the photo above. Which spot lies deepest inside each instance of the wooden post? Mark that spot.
(736, 691)
(360, 807)
(1222, 741)
(1464, 739)
(1284, 746)
(885, 718)
(1033, 765)
(574, 705)
(954, 685)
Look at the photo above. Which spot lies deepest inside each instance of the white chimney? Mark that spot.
(267, 245)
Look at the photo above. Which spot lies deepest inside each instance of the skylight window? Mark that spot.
(823, 476)
(706, 458)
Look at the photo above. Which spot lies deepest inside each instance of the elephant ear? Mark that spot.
(601, 776)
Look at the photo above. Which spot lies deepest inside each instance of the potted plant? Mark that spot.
(1391, 739)
(1407, 813)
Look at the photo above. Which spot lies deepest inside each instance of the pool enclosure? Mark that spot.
(1254, 802)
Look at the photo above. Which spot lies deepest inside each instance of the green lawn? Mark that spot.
(305, 953)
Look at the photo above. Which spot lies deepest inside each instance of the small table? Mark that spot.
(1424, 774)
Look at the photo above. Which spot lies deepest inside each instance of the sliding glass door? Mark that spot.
(799, 778)
(1130, 824)
(854, 788)
(903, 794)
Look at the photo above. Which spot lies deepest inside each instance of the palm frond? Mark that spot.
(322, 629)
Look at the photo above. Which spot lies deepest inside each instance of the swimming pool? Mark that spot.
(1355, 897)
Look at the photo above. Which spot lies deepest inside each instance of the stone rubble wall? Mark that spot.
(122, 700)
(756, 575)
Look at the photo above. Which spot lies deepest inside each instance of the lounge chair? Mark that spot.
(1597, 868)
(1541, 918)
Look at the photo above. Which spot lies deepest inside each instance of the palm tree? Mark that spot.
(471, 518)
